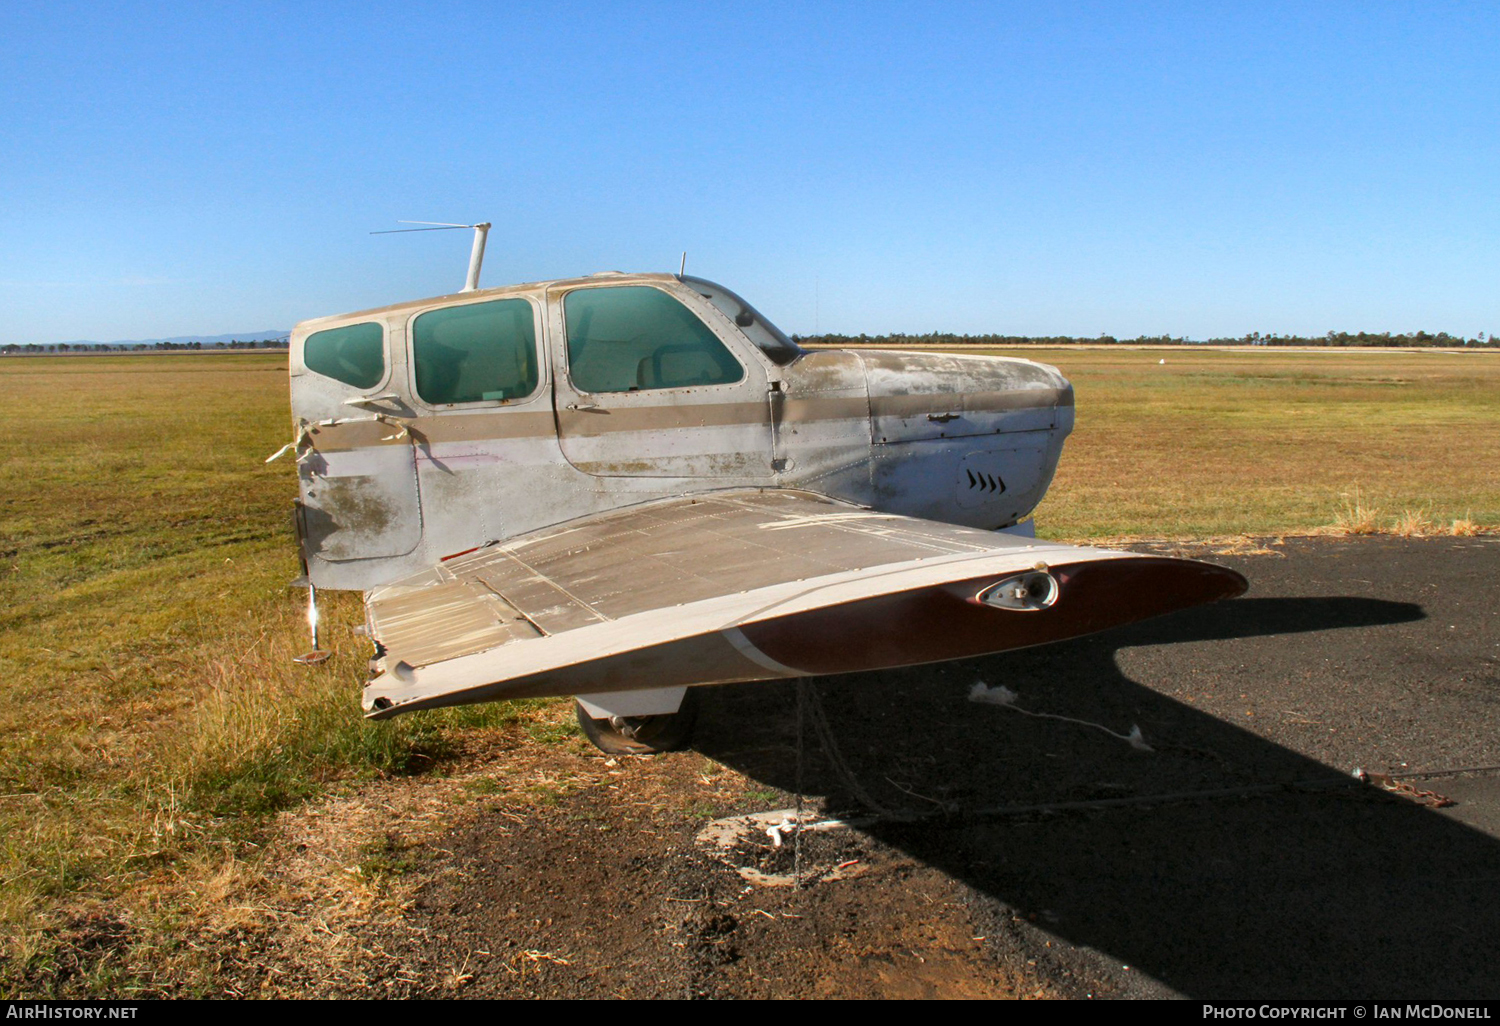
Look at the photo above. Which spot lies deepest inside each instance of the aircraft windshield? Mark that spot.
(766, 336)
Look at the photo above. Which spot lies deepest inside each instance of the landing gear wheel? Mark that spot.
(641, 735)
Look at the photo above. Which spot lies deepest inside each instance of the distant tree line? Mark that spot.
(1420, 339)
(14, 349)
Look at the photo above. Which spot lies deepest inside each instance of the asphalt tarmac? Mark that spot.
(1235, 855)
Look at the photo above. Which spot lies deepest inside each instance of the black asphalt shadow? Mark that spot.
(1319, 891)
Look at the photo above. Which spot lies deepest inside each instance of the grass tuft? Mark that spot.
(1356, 517)
(1413, 523)
(387, 857)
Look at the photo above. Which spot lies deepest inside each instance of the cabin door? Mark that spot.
(356, 461)
(647, 388)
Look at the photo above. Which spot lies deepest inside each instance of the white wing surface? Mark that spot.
(744, 585)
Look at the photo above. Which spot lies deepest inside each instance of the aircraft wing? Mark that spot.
(744, 585)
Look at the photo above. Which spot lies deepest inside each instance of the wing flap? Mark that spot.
(433, 622)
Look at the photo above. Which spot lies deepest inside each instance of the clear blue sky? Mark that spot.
(1034, 168)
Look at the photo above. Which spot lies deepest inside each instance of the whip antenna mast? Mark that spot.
(476, 255)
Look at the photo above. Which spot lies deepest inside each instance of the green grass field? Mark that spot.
(151, 713)
(152, 718)
(1232, 442)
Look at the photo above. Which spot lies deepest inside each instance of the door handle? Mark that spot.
(361, 400)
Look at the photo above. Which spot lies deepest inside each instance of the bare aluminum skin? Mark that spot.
(791, 522)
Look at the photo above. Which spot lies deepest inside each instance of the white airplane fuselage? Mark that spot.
(406, 456)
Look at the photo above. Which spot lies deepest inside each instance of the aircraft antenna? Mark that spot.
(682, 268)
(476, 255)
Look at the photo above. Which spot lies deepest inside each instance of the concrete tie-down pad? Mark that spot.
(744, 585)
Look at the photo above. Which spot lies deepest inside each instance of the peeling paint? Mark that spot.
(869, 428)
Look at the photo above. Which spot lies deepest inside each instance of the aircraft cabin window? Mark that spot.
(766, 336)
(476, 352)
(354, 354)
(629, 338)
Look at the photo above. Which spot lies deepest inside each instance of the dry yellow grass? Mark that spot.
(1223, 443)
(149, 707)
(1413, 523)
(1244, 545)
(154, 724)
(1464, 528)
(1357, 518)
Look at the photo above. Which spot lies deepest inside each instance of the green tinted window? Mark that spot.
(634, 337)
(354, 355)
(466, 354)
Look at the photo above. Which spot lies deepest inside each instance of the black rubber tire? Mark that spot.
(642, 735)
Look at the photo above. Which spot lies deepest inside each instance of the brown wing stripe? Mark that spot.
(935, 624)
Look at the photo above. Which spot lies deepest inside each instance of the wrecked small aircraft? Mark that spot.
(623, 486)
